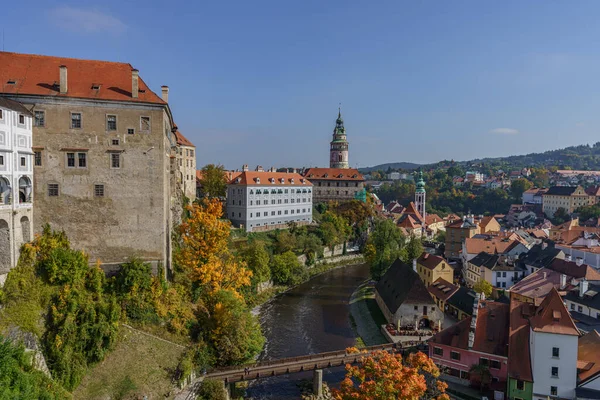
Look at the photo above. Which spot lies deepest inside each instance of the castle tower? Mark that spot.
(420, 195)
(339, 145)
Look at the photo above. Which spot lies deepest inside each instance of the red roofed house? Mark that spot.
(263, 200)
(588, 366)
(186, 160)
(479, 339)
(104, 166)
(335, 184)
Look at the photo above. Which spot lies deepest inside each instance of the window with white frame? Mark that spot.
(75, 120)
(111, 122)
(39, 118)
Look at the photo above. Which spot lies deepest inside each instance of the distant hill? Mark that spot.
(394, 166)
(582, 157)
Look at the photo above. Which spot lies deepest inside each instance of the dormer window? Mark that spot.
(257, 180)
(340, 175)
(281, 180)
(95, 86)
(355, 176)
(311, 175)
(326, 176)
(11, 82)
(238, 179)
(303, 181)
(272, 180)
(292, 181)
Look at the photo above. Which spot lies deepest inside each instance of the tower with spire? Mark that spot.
(338, 150)
(420, 195)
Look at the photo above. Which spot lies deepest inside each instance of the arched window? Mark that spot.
(25, 228)
(4, 246)
(5, 191)
(24, 189)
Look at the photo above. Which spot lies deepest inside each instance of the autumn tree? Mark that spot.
(333, 229)
(213, 181)
(203, 253)
(388, 376)
(383, 247)
(483, 286)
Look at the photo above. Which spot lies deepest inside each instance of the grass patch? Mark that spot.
(366, 317)
(139, 365)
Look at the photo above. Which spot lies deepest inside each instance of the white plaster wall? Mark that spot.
(541, 345)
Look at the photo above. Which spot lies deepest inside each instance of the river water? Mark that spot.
(311, 318)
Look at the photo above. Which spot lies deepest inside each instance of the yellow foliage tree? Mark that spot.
(204, 254)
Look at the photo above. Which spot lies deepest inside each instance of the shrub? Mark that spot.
(287, 270)
(212, 390)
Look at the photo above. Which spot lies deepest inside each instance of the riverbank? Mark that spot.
(366, 317)
(269, 294)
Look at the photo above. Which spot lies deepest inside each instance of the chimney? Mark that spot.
(567, 257)
(544, 274)
(578, 261)
(165, 93)
(583, 287)
(415, 264)
(272, 169)
(245, 168)
(259, 168)
(563, 281)
(63, 79)
(134, 83)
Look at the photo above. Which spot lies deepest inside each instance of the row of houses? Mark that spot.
(87, 147)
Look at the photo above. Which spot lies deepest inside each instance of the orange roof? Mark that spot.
(182, 140)
(538, 284)
(552, 316)
(254, 178)
(485, 221)
(40, 75)
(412, 209)
(571, 269)
(408, 222)
(519, 362)
(342, 174)
(432, 219)
(588, 356)
(495, 245)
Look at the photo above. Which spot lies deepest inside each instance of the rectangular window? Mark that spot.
(553, 391)
(520, 385)
(115, 142)
(555, 352)
(1, 115)
(579, 308)
(555, 372)
(144, 124)
(455, 355)
(495, 364)
(99, 190)
(115, 160)
(111, 122)
(23, 162)
(37, 158)
(1, 160)
(82, 158)
(464, 375)
(40, 118)
(75, 120)
(572, 306)
(52, 189)
(21, 119)
(438, 351)
(71, 160)
(484, 361)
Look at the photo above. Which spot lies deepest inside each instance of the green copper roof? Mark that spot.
(420, 183)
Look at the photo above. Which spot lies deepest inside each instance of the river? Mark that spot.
(310, 318)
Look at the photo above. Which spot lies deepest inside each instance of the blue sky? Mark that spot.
(259, 82)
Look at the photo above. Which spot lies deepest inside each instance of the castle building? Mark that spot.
(186, 161)
(264, 200)
(104, 155)
(339, 145)
(335, 184)
(16, 177)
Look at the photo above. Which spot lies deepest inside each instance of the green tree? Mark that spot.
(212, 389)
(481, 375)
(132, 286)
(588, 212)
(231, 329)
(484, 287)
(213, 181)
(383, 247)
(312, 247)
(560, 216)
(286, 269)
(413, 249)
(257, 258)
(334, 229)
(518, 186)
(284, 241)
(440, 236)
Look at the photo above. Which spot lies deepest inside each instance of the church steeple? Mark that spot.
(339, 145)
(420, 194)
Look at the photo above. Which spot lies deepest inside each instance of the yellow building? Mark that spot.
(430, 268)
(570, 198)
(469, 226)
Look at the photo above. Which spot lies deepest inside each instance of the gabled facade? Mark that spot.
(431, 268)
(16, 177)
(335, 184)
(186, 162)
(569, 198)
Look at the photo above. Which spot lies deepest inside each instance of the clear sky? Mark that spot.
(259, 82)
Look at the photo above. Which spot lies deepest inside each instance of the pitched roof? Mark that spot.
(571, 269)
(519, 362)
(429, 261)
(591, 298)
(588, 356)
(490, 245)
(334, 174)
(14, 105)
(39, 75)
(485, 221)
(561, 191)
(442, 289)
(432, 219)
(412, 210)
(491, 330)
(401, 284)
(539, 257)
(537, 285)
(552, 316)
(255, 178)
(182, 140)
(407, 221)
(463, 299)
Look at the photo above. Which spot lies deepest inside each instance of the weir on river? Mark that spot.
(311, 318)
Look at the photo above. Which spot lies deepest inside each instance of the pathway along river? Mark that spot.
(311, 318)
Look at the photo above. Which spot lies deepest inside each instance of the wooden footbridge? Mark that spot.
(290, 365)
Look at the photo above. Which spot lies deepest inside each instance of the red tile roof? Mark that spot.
(588, 356)
(571, 269)
(538, 284)
(39, 75)
(412, 210)
(552, 316)
(429, 261)
(251, 178)
(490, 245)
(182, 140)
(334, 174)
(409, 222)
(519, 362)
(432, 219)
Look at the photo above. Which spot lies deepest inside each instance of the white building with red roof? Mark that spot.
(263, 200)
